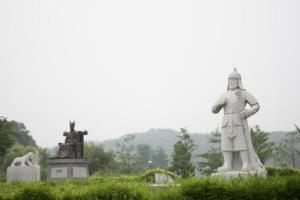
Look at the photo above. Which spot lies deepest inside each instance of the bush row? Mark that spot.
(277, 187)
(280, 171)
(250, 188)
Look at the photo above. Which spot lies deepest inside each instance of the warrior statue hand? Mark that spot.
(246, 113)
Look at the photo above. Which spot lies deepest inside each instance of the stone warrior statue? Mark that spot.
(236, 143)
(74, 144)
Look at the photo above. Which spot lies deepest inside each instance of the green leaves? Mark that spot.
(182, 163)
(261, 144)
(6, 140)
(211, 159)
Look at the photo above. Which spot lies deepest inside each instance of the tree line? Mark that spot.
(127, 158)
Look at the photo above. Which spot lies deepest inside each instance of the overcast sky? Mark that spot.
(123, 66)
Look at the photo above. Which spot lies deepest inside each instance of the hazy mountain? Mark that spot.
(166, 138)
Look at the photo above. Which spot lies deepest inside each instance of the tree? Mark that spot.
(290, 147)
(181, 163)
(262, 146)
(21, 135)
(211, 159)
(126, 156)
(5, 139)
(149, 158)
(160, 158)
(12, 132)
(144, 155)
(98, 158)
(278, 157)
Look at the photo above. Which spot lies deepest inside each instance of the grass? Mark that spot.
(123, 187)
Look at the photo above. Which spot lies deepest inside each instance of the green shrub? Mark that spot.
(114, 177)
(149, 175)
(204, 189)
(292, 188)
(35, 193)
(282, 171)
(246, 188)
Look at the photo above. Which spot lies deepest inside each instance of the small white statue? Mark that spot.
(29, 159)
(236, 143)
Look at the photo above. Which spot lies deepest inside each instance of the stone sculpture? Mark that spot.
(25, 168)
(69, 161)
(74, 142)
(236, 143)
(29, 159)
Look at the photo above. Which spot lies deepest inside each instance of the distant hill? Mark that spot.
(166, 138)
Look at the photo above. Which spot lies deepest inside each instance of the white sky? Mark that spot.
(122, 66)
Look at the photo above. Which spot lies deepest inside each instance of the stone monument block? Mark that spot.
(23, 173)
(235, 174)
(60, 169)
(160, 179)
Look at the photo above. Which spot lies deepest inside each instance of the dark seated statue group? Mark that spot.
(74, 144)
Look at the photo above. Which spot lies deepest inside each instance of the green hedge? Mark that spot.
(243, 188)
(250, 188)
(286, 171)
(35, 193)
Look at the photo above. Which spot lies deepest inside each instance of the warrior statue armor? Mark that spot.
(236, 144)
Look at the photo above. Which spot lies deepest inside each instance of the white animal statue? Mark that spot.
(29, 159)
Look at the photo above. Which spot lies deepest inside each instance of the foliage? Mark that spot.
(181, 163)
(277, 155)
(160, 158)
(21, 135)
(290, 148)
(242, 188)
(34, 193)
(43, 156)
(282, 171)
(148, 176)
(126, 156)
(109, 177)
(148, 158)
(144, 156)
(6, 141)
(211, 159)
(98, 158)
(262, 146)
(114, 188)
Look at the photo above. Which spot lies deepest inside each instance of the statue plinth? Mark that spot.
(60, 169)
(236, 174)
(23, 173)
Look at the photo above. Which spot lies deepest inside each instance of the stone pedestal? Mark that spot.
(23, 173)
(235, 174)
(163, 179)
(60, 169)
